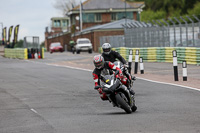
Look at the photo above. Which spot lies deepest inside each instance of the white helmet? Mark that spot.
(106, 48)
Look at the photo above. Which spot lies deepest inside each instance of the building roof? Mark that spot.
(119, 24)
(108, 5)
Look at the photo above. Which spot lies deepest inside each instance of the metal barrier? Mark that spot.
(158, 34)
(115, 41)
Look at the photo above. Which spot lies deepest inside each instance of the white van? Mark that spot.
(83, 44)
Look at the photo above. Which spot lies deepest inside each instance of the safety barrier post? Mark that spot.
(184, 65)
(175, 64)
(136, 61)
(141, 66)
(130, 60)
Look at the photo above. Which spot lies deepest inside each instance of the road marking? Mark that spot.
(69, 67)
(137, 77)
(170, 84)
(34, 111)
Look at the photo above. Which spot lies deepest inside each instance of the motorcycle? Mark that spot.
(117, 93)
(125, 72)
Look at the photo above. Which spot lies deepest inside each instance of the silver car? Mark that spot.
(83, 44)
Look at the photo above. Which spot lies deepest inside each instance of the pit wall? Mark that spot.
(162, 54)
(19, 53)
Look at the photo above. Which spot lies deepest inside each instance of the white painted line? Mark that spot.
(169, 84)
(34, 111)
(136, 77)
(69, 67)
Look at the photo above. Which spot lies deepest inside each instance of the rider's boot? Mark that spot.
(132, 92)
(129, 86)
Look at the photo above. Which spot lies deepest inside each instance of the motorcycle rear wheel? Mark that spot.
(123, 103)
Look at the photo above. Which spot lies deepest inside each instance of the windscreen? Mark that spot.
(84, 42)
(55, 44)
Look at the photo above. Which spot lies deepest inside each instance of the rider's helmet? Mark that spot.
(106, 48)
(98, 61)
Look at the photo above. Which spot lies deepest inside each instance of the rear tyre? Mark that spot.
(78, 52)
(123, 104)
(90, 51)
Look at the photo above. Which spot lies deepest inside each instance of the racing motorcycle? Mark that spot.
(117, 93)
(125, 72)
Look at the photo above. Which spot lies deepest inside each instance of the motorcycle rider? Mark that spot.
(105, 67)
(110, 55)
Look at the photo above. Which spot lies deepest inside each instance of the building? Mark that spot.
(59, 25)
(98, 19)
(94, 33)
(97, 12)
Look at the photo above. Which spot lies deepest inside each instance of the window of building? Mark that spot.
(113, 16)
(98, 17)
(57, 23)
(73, 20)
(64, 23)
(88, 17)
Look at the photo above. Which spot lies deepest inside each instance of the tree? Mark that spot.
(195, 10)
(19, 44)
(149, 15)
(65, 5)
(42, 45)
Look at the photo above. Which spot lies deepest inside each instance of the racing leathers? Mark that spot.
(112, 56)
(108, 68)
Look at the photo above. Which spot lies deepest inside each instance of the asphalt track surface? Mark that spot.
(39, 97)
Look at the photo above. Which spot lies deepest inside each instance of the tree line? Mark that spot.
(165, 9)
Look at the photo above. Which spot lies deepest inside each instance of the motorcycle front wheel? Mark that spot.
(122, 103)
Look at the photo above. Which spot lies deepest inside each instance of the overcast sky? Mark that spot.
(32, 16)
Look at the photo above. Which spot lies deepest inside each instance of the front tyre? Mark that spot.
(134, 108)
(122, 103)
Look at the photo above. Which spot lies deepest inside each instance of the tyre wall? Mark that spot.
(19, 53)
(162, 54)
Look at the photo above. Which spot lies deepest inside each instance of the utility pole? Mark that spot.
(1, 31)
(125, 11)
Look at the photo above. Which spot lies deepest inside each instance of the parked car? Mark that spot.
(83, 44)
(55, 47)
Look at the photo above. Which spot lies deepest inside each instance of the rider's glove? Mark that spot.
(100, 90)
(126, 65)
(133, 78)
(120, 76)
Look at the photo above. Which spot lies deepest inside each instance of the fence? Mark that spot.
(116, 41)
(158, 34)
(186, 35)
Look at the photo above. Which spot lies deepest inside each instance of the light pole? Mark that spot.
(139, 11)
(125, 11)
(2, 31)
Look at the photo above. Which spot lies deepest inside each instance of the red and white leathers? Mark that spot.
(109, 66)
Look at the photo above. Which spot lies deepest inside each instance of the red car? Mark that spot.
(56, 47)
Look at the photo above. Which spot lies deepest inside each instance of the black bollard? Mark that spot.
(136, 61)
(130, 60)
(175, 64)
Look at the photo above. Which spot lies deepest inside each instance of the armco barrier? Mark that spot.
(19, 53)
(162, 54)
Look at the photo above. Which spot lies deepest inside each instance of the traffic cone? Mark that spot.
(36, 55)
